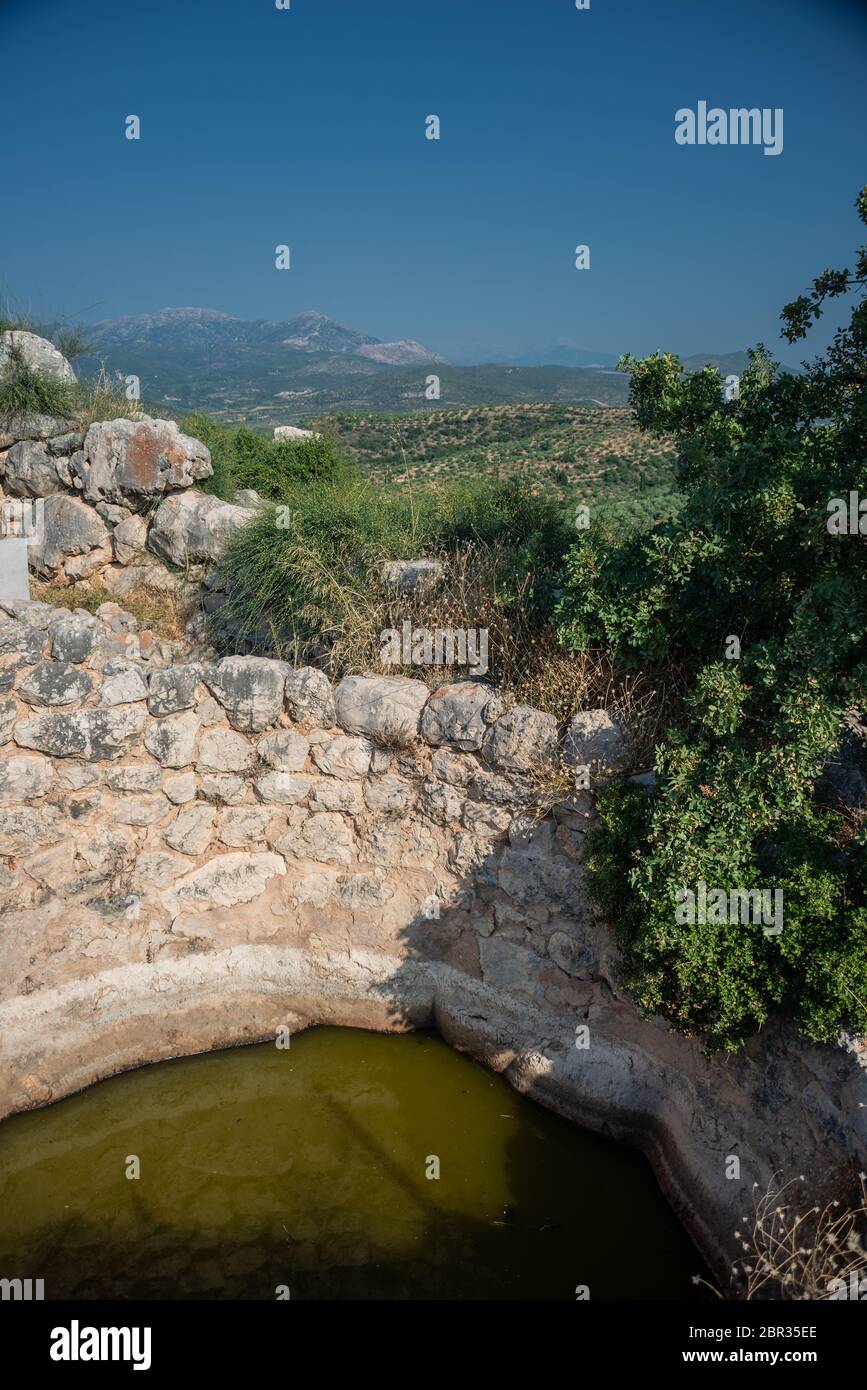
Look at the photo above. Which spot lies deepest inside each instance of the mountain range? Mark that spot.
(270, 373)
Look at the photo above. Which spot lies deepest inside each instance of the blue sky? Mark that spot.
(306, 127)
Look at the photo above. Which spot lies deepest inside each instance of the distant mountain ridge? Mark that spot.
(268, 373)
(307, 332)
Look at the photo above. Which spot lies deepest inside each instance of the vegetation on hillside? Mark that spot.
(242, 459)
(593, 456)
(750, 556)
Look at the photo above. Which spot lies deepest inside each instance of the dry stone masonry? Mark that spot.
(193, 853)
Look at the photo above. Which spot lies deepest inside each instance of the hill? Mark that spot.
(593, 455)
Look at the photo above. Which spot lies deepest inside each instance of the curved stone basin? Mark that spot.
(306, 1168)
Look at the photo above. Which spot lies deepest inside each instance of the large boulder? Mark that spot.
(192, 527)
(250, 689)
(70, 530)
(384, 707)
(138, 460)
(458, 715)
(32, 425)
(309, 697)
(37, 353)
(520, 740)
(31, 470)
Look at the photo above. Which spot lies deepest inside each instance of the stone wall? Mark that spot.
(193, 854)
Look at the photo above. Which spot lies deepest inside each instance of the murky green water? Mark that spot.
(307, 1168)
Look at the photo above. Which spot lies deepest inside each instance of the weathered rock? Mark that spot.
(128, 539)
(28, 642)
(31, 471)
(8, 715)
(64, 445)
(55, 683)
(140, 810)
(173, 689)
(181, 788)
(72, 637)
(567, 953)
(250, 689)
(223, 750)
(309, 697)
(509, 967)
(70, 529)
(410, 576)
(25, 778)
(282, 787)
(330, 794)
(73, 775)
(384, 707)
(224, 881)
(522, 739)
(123, 683)
(486, 821)
(343, 757)
(138, 460)
(324, 837)
(128, 581)
(225, 787)
(455, 715)
(596, 740)
(193, 527)
(22, 827)
(244, 827)
(30, 425)
(111, 730)
(133, 777)
(192, 829)
(249, 499)
(116, 618)
(389, 795)
(442, 802)
(37, 353)
(92, 734)
(30, 612)
(450, 767)
(284, 750)
(173, 740)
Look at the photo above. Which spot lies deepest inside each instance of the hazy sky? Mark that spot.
(307, 127)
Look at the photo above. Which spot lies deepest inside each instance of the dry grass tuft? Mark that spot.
(795, 1254)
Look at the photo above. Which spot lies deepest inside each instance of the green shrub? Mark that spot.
(749, 557)
(243, 459)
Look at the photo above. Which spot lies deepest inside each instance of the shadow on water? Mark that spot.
(307, 1168)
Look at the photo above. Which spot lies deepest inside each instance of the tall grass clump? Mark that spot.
(304, 578)
(24, 391)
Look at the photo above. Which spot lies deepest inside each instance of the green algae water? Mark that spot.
(303, 1173)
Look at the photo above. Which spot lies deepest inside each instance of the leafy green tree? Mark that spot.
(749, 556)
